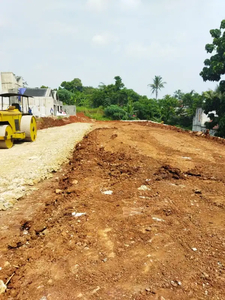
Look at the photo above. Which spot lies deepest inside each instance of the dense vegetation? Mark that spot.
(214, 104)
(117, 102)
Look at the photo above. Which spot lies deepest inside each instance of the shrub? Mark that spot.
(115, 112)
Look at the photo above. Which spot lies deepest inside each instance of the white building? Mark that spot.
(10, 81)
(42, 101)
(199, 121)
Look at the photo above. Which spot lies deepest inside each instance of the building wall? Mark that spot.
(199, 121)
(9, 81)
(41, 106)
(69, 110)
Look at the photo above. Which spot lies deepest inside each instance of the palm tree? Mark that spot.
(157, 85)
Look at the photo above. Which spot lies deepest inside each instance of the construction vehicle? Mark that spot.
(16, 123)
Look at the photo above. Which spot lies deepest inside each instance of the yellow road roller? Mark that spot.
(16, 123)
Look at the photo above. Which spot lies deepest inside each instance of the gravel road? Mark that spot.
(26, 164)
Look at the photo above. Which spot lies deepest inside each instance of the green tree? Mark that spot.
(190, 102)
(157, 85)
(178, 94)
(112, 94)
(214, 107)
(180, 109)
(147, 109)
(118, 83)
(72, 86)
(213, 71)
(215, 65)
(119, 98)
(100, 98)
(88, 90)
(65, 96)
(115, 112)
(129, 108)
(169, 107)
(132, 95)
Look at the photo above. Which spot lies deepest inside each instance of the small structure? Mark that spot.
(44, 101)
(69, 109)
(199, 121)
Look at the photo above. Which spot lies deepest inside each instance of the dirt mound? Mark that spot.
(47, 122)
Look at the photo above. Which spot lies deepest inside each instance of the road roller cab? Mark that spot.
(15, 121)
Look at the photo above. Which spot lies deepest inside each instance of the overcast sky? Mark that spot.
(49, 41)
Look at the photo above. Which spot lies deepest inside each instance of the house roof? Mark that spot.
(36, 92)
(14, 94)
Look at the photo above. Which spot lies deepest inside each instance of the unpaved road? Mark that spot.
(25, 164)
(153, 223)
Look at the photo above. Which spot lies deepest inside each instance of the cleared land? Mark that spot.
(137, 213)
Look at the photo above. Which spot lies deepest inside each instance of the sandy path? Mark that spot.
(28, 163)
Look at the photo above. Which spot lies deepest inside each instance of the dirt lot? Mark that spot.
(138, 213)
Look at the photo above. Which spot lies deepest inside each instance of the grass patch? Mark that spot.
(93, 113)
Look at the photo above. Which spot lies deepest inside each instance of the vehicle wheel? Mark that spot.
(6, 132)
(29, 126)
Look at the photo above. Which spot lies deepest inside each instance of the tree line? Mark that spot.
(121, 103)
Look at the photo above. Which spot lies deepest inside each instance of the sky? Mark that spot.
(50, 41)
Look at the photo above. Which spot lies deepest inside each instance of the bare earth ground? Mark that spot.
(152, 226)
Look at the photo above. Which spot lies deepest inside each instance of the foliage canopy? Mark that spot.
(214, 101)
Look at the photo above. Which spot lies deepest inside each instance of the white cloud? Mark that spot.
(103, 39)
(130, 4)
(97, 5)
(155, 50)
